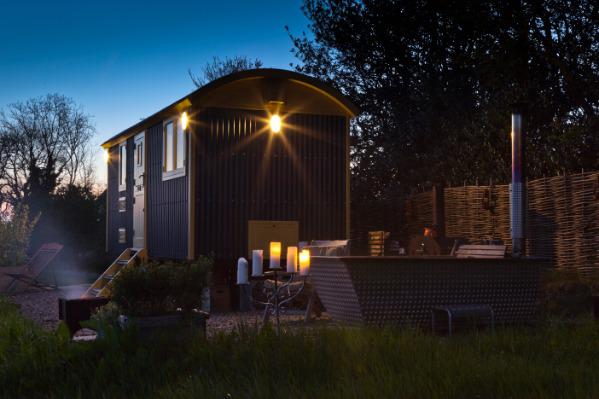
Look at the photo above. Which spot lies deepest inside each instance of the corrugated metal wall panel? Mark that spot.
(245, 173)
(166, 204)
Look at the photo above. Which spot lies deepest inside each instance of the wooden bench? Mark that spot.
(455, 312)
(481, 251)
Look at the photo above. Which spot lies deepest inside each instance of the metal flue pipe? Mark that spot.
(517, 189)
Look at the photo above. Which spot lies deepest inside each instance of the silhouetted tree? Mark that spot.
(221, 67)
(75, 218)
(435, 82)
(44, 142)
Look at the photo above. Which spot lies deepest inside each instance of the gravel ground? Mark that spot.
(291, 319)
(42, 307)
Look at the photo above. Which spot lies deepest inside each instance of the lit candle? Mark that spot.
(275, 255)
(257, 258)
(304, 262)
(291, 259)
(242, 271)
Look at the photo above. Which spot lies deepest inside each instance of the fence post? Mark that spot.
(439, 209)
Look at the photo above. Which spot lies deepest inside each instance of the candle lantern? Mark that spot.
(291, 259)
(242, 271)
(304, 262)
(275, 255)
(281, 292)
(257, 258)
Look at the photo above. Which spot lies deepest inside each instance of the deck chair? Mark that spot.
(29, 273)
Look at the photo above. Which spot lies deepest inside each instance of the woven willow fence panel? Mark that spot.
(419, 212)
(562, 218)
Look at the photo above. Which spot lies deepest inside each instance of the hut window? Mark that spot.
(173, 156)
(180, 153)
(123, 166)
(168, 147)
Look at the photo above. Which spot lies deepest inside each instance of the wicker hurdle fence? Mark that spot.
(562, 218)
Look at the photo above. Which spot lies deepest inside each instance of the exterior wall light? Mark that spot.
(106, 156)
(184, 120)
(275, 123)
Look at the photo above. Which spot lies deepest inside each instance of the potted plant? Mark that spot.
(155, 295)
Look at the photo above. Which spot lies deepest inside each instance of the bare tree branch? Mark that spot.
(220, 67)
(44, 142)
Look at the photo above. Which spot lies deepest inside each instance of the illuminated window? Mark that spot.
(123, 166)
(180, 152)
(168, 147)
(173, 156)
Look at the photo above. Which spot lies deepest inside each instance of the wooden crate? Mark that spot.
(221, 299)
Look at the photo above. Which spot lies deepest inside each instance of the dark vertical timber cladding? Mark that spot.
(118, 219)
(166, 204)
(246, 173)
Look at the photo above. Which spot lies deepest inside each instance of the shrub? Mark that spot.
(15, 232)
(566, 294)
(106, 315)
(158, 288)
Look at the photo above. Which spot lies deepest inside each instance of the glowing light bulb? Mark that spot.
(275, 123)
(184, 120)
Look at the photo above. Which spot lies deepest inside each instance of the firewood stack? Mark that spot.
(376, 242)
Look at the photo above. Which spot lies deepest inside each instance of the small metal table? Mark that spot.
(281, 293)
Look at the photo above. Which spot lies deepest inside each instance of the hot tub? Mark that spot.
(402, 290)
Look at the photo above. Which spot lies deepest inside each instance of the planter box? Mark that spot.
(149, 325)
(221, 299)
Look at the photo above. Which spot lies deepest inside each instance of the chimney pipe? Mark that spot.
(517, 189)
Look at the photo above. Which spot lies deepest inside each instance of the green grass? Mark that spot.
(327, 363)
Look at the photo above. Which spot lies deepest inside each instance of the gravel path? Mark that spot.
(42, 307)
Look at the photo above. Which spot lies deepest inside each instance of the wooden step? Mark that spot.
(124, 259)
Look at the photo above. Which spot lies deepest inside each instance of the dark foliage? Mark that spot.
(436, 81)
(159, 288)
(75, 217)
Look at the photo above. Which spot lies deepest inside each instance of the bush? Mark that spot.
(15, 233)
(106, 315)
(566, 294)
(158, 288)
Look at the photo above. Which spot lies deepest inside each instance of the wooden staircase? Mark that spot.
(101, 287)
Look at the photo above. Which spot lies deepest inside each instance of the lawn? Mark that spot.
(328, 363)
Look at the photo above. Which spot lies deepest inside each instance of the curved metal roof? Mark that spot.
(324, 89)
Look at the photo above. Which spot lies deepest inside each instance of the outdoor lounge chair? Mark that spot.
(29, 273)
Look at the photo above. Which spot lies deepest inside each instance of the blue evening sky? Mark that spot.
(124, 60)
